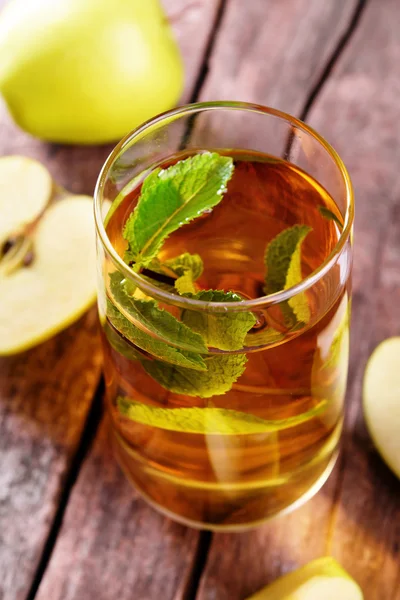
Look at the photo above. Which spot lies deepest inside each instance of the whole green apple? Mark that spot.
(87, 71)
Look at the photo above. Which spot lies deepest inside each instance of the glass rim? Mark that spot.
(242, 305)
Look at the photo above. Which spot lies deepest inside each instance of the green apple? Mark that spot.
(321, 579)
(381, 398)
(87, 71)
(55, 286)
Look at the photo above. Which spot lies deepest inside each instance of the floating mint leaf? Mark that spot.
(208, 421)
(328, 214)
(222, 372)
(225, 331)
(156, 320)
(154, 347)
(173, 197)
(188, 268)
(336, 351)
(283, 264)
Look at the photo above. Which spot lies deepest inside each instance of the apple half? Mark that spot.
(48, 280)
(381, 399)
(25, 190)
(321, 579)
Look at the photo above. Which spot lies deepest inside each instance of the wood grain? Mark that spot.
(356, 516)
(45, 394)
(113, 545)
(272, 52)
(361, 101)
(192, 22)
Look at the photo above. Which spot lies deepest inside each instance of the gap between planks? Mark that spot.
(95, 414)
(204, 545)
(88, 435)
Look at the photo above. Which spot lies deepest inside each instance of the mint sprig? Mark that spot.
(188, 268)
(283, 270)
(155, 320)
(225, 331)
(210, 420)
(222, 370)
(171, 198)
(330, 215)
(154, 347)
(176, 370)
(173, 351)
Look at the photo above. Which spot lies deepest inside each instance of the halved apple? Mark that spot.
(381, 398)
(47, 264)
(25, 189)
(321, 579)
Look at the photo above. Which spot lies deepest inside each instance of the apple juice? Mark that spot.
(214, 477)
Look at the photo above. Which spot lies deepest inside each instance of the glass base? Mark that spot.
(234, 507)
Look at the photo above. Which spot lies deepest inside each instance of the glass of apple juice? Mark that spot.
(224, 253)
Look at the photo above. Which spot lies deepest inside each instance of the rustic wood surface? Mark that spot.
(356, 516)
(46, 394)
(113, 545)
(310, 58)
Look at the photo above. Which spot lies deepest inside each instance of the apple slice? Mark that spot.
(321, 579)
(58, 285)
(381, 398)
(25, 190)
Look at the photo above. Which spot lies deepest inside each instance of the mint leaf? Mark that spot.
(120, 344)
(328, 214)
(222, 372)
(207, 421)
(154, 347)
(173, 197)
(156, 320)
(188, 268)
(225, 331)
(283, 263)
(336, 349)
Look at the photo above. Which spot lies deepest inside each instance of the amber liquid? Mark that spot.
(233, 481)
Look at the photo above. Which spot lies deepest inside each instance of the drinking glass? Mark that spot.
(264, 436)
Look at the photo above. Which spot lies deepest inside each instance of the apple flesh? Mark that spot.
(321, 579)
(25, 189)
(87, 71)
(39, 300)
(381, 399)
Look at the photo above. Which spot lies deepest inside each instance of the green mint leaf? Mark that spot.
(225, 331)
(156, 320)
(328, 214)
(207, 421)
(154, 347)
(120, 344)
(283, 263)
(188, 268)
(173, 197)
(222, 372)
(336, 353)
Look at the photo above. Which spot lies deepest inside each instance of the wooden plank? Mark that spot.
(45, 394)
(111, 543)
(44, 398)
(359, 113)
(356, 515)
(273, 53)
(192, 22)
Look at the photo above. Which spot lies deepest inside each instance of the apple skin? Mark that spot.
(87, 71)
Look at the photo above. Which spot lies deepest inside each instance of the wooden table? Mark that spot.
(71, 527)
